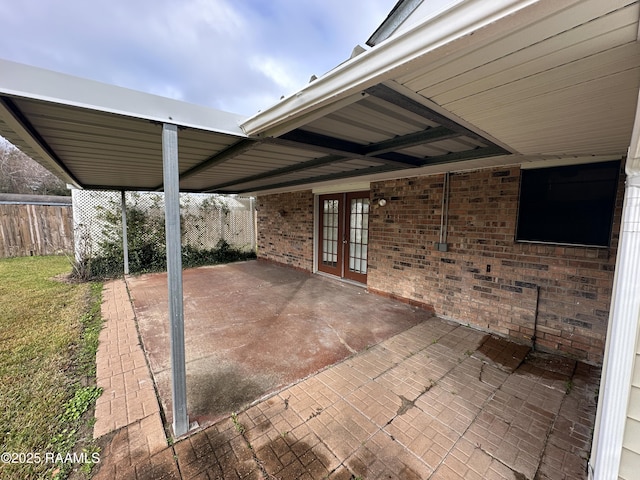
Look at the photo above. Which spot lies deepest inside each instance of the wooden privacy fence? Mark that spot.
(35, 225)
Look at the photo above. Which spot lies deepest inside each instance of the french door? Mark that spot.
(344, 235)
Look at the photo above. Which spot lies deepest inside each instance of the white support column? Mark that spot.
(622, 333)
(174, 274)
(125, 239)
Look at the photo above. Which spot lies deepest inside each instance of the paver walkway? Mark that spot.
(127, 413)
(438, 401)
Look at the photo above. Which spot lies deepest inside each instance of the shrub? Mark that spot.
(146, 241)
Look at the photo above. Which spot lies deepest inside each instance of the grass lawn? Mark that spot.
(48, 339)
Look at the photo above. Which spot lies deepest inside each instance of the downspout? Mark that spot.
(444, 216)
(534, 337)
(622, 331)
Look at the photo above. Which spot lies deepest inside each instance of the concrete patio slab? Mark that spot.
(253, 327)
(437, 400)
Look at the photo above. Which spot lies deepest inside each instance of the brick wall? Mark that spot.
(285, 229)
(486, 279)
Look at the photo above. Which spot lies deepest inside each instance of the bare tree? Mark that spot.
(19, 173)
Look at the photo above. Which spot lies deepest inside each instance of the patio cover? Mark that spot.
(478, 85)
(482, 84)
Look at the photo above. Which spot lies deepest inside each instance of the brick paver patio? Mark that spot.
(438, 401)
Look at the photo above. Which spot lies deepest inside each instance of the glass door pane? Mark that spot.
(331, 225)
(330, 232)
(358, 235)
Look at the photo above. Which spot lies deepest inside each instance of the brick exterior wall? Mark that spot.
(285, 229)
(486, 279)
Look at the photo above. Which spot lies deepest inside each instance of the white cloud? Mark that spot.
(275, 70)
(237, 55)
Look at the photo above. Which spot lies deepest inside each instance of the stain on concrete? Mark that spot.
(304, 461)
(367, 465)
(216, 387)
(406, 405)
(219, 452)
(502, 353)
(552, 363)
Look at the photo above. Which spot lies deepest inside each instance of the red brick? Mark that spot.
(575, 282)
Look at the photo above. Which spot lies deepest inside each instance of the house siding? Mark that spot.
(630, 459)
(485, 279)
(285, 229)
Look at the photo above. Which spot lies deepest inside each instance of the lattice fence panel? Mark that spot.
(205, 220)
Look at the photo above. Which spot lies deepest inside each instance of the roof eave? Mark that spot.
(379, 63)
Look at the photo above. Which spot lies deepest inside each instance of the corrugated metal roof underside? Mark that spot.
(383, 131)
(105, 150)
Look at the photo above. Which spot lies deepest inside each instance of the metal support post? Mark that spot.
(125, 240)
(174, 274)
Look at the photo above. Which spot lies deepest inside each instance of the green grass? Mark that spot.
(48, 339)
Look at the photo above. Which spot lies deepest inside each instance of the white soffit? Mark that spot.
(565, 84)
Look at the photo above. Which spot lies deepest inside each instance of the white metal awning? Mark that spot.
(482, 84)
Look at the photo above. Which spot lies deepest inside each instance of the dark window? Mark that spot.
(569, 205)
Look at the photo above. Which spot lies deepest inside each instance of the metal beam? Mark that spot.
(316, 162)
(174, 276)
(401, 160)
(324, 143)
(428, 135)
(388, 94)
(345, 150)
(322, 178)
(305, 139)
(228, 153)
(386, 151)
(479, 152)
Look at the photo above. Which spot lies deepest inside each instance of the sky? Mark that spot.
(240, 56)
